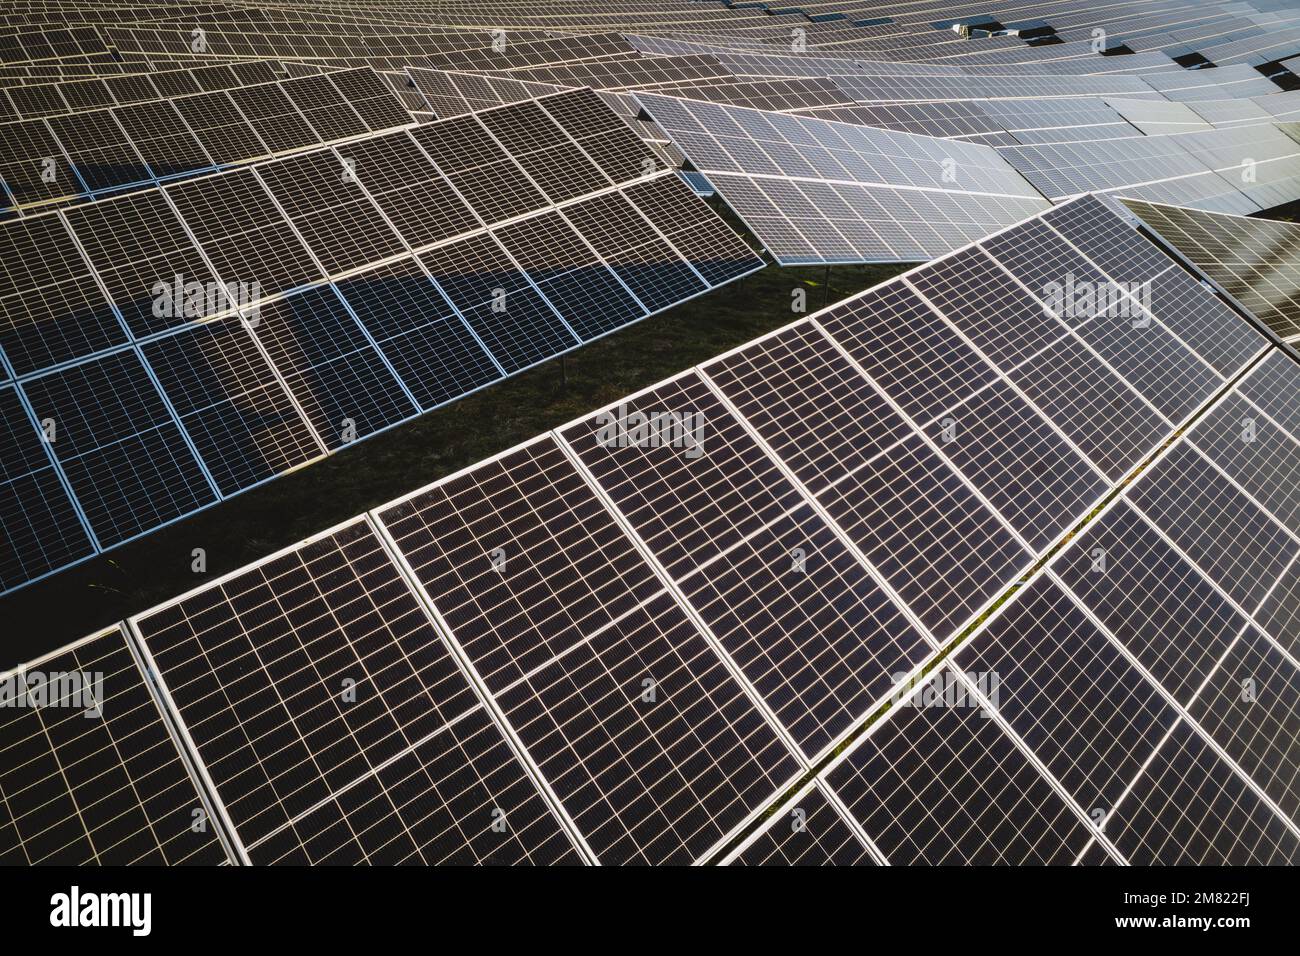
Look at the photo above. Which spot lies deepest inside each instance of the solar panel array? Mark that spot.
(996, 562)
(627, 638)
(342, 291)
(92, 153)
(820, 191)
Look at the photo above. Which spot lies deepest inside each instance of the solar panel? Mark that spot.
(330, 210)
(51, 309)
(813, 832)
(275, 118)
(820, 191)
(129, 464)
(93, 775)
(42, 527)
(643, 259)
(1250, 259)
(345, 386)
(134, 242)
(1086, 712)
(410, 191)
(505, 310)
(241, 419)
(242, 232)
(947, 785)
(100, 150)
(431, 349)
(1170, 618)
(48, 180)
(162, 139)
(335, 724)
(570, 274)
(220, 126)
(574, 609)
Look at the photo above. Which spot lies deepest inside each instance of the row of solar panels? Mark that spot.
(177, 346)
(90, 154)
(818, 190)
(624, 640)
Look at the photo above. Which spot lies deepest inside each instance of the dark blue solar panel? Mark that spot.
(39, 527)
(342, 383)
(432, 350)
(125, 457)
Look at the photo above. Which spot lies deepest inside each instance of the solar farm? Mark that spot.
(992, 559)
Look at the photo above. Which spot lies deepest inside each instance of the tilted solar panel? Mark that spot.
(93, 775)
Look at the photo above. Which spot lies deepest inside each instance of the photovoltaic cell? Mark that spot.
(1003, 320)
(221, 128)
(100, 150)
(1025, 470)
(651, 268)
(1092, 406)
(1231, 540)
(813, 408)
(569, 274)
(514, 322)
(1157, 605)
(135, 242)
(110, 789)
(702, 238)
(245, 237)
(51, 310)
(409, 189)
(809, 833)
(941, 549)
(480, 169)
(1189, 808)
(692, 502)
(122, 451)
(410, 769)
(330, 210)
(809, 627)
(274, 117)
(162, 139)
(906, 347)
(430, 348)
(1071, 695)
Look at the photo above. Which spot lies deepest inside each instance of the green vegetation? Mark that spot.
(157, 567)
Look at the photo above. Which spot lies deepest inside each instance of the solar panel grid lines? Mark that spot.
(1218, 338)
(818, 831)
(94, 774)
(1249, 260)
(413, 770)
(1165, 807)
(757, 540)
(532, 692)
(891, 616)
(996, 415)
(1239, 631)
(940, 784)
